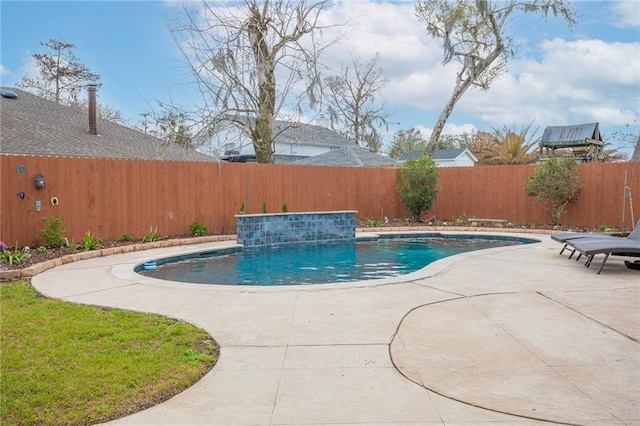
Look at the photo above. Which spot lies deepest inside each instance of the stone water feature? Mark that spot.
(255, 230)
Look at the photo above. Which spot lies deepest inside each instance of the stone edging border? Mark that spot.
(16, 274)
(33, 270)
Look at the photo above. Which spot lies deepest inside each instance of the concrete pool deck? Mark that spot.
(506, 336)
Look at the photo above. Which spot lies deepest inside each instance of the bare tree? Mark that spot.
(173, 128)
(62, 78)
(103, 111)
(253, 61)
(473, 33)
(62, 75)
(352, 105)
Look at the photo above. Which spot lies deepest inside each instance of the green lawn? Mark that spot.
(62, 363)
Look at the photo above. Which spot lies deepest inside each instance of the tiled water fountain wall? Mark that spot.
(289, 228)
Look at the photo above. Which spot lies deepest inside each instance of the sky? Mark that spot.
(558, 76)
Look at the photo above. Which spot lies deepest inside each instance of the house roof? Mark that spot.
(308, 134)
(636, 152)
(449, 154)
(351, 156)
(440, 154)
(32, 125)
(570, 136)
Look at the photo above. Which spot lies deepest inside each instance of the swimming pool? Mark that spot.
(298, 264)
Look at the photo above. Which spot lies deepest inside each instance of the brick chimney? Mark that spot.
(93, 120)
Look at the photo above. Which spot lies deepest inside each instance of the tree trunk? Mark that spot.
(263, 136)
(458, 91)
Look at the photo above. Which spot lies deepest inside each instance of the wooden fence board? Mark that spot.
(110, 197)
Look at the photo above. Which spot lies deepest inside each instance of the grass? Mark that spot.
(63, 363)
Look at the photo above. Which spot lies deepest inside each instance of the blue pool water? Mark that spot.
(320, 263)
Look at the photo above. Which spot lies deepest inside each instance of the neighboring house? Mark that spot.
(293, 141)
(351, 156)
(459, 157)
(32, 125)
(636, 152)
(584, 140)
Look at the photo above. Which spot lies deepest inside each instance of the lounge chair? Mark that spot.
(572, 236)
(611, 246)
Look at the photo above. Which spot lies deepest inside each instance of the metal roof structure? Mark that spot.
(584, 140)
(32, 125)
(571, 136)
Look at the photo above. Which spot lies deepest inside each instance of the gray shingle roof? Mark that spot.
(447, 154)
(32, 125)
(351, 156)
(308, 134)
(438, 154)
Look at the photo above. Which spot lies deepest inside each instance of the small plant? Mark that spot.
(285, 209)
(91, 242)
(242, 209)
(53, 232)
(126, 237)
(432, 220)
(605, 228)
(15, 256)
(198, 229)
(264, 207)
(151, 236)
(42, 250)
(461, 220)
(73, 246)
(375, 223)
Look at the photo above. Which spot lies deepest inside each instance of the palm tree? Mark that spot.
(507, 147)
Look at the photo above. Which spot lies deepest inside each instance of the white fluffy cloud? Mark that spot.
(553, 82)
(627, 13)
(3, 71)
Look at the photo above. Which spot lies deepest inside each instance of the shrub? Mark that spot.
(241, 209)
(198, 229)
(151, 236)
(73, 246)
(285, 209)
(375, 223)
(556, 183)
(126, 237)
(264, 207)
(15, 256)
(91, 242)
(53, 232)
(418, 185)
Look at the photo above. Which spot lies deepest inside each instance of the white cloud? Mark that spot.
(4, 71)
(627, 13)
(558, 81)
(581, 81)
(449, 129)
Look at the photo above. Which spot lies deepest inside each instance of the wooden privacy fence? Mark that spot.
(499, 192)
(111, 197)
